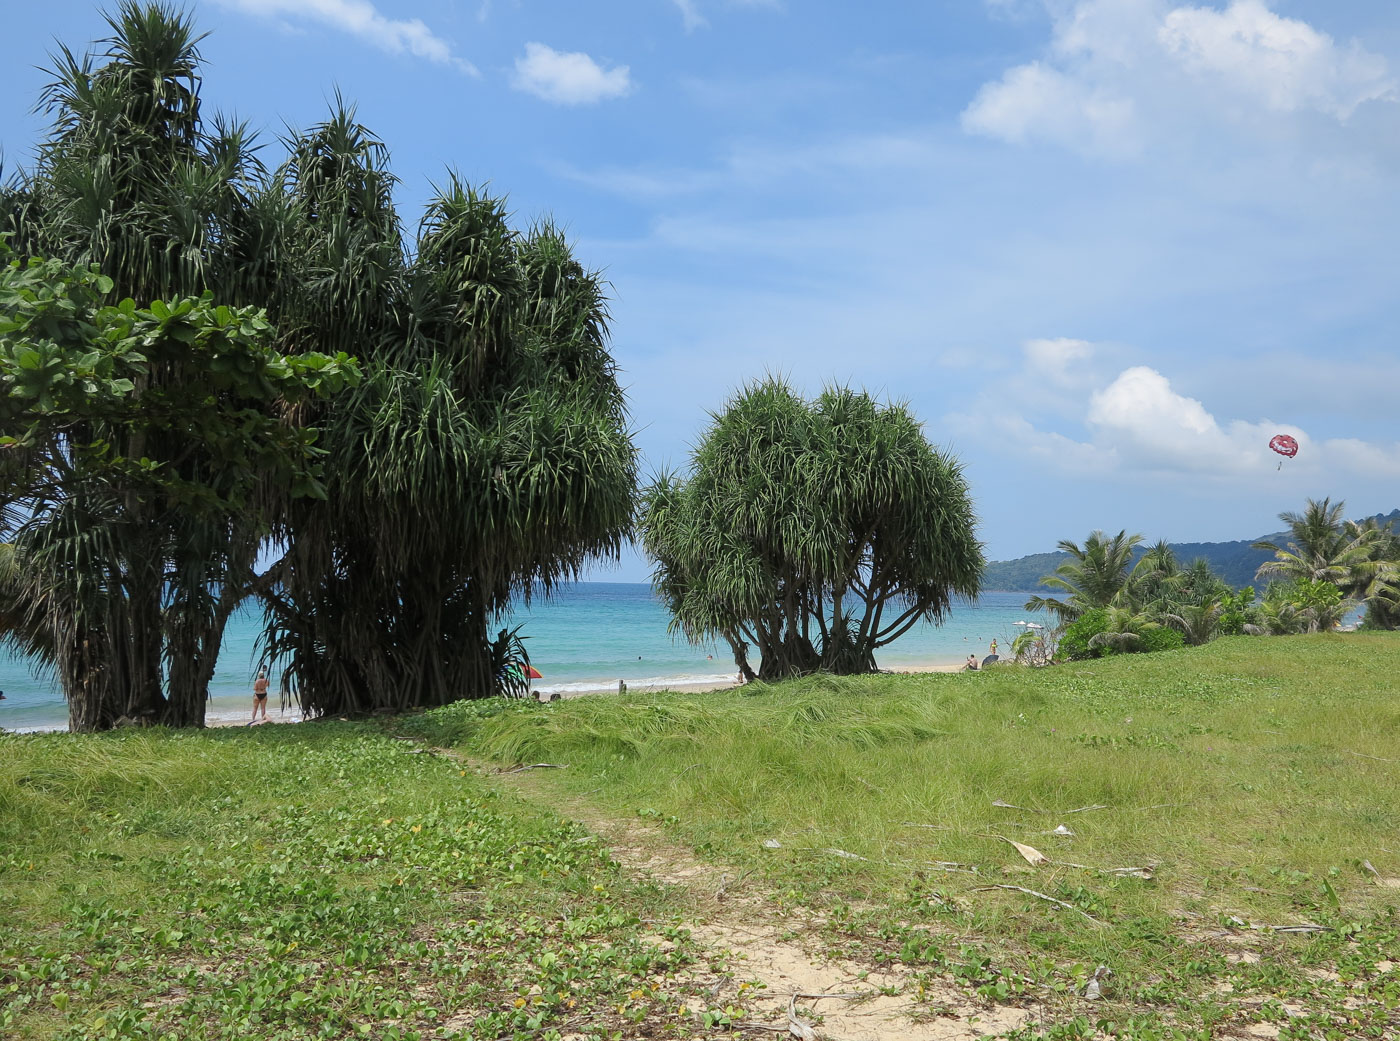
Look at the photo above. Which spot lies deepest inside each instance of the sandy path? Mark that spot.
(776, 956)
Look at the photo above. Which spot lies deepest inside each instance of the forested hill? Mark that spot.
(1235, 562)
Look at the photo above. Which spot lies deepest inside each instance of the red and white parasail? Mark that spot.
(1284, 445)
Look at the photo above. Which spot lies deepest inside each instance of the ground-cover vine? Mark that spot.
(322, 881)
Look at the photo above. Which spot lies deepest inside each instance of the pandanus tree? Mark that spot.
(133, 180)
(812, 533)
(484, 458)
(182, 381)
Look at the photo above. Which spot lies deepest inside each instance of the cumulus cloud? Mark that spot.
(568, 78)
(1283, 63)
(1116, 69)
(1138, 423)
(362, 19)
(1148, 424)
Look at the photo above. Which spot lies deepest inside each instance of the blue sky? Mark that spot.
(1104, 248)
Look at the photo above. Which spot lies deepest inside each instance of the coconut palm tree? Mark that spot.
(1197, 623)
(1374, 580)
(1319, 547)
(1123, 630)
(1097, 575)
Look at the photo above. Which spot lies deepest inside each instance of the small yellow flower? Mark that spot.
(519, 1002)
(416, 828)
(570, 1003)
(387, 821)
(461, 773)
(680, 1011)
(637, 995)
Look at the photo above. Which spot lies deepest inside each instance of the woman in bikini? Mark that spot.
(259, 697)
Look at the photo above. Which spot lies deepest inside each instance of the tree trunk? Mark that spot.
(85, 673)
(741, 656)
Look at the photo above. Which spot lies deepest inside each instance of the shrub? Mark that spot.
(1160, 639)
(1074, 644)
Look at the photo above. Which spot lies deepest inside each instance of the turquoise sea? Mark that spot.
(585, 638)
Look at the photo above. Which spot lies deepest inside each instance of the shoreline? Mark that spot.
(222, 717)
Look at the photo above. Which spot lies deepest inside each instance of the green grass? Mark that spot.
(305, 882)
(1239, 770)
(331, 881)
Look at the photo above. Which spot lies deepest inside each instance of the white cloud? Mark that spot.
(1285, 64)
(1038, 103)
(691, 17)
(568, 78)
(1138, 423)
(1149, 425)
(768, 166)
(361, 18)
(1117, 72)
(1058, 357)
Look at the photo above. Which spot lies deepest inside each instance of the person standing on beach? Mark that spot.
(994, 645)
(259, 697)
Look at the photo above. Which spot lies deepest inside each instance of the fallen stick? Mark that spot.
(1146, 871)
(1378, 759)
(1002, 805)
(1042, 896)
(799, 1027)
(837, 852)
(536, 766)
